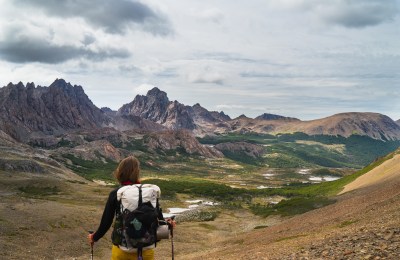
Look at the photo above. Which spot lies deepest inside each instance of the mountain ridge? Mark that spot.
(28, 111)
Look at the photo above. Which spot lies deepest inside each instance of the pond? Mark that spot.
(192, 204)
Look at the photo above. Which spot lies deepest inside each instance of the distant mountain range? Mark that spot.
(32, 111)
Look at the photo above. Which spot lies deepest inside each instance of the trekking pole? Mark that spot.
(171, 230)
(91, 246)
(172, 243)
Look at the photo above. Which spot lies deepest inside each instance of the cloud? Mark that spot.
(143, 89)
(23, 49)
(206, 75)
(88, 39)
(167, 73)
(226, 106)
(214, 15)
(358, 14)
(346, 13)
(112, 16)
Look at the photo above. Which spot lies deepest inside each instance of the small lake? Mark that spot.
(192, 204)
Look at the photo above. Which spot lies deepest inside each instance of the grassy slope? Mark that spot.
(194, 176)
(301, 150)
(314, 196)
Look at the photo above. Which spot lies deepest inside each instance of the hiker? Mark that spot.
(128, 175)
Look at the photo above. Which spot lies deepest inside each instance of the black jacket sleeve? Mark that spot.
(108, 215)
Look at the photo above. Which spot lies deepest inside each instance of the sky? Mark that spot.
(307, 59)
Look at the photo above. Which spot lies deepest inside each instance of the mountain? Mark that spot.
(26, 110)
(28, 113)
(398, 122)
(156, 107)
(374, 125)
(267, 116)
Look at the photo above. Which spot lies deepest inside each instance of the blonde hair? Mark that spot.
(128, 170)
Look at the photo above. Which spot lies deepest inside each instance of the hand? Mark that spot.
(171, 222)
(90, 238)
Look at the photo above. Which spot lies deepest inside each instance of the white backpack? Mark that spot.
(129, 195)
(139, 218)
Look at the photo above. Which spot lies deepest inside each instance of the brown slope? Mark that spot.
(362, 224)
(388, 171)
(374, 125)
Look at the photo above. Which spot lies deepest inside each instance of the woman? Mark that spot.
(127, 173)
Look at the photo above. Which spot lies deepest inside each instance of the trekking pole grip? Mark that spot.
(91, 245)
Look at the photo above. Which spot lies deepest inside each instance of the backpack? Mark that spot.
(139, 213)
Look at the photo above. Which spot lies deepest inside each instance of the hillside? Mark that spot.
(170, 137)
(362, 224)
(374, 125)
(387, 172)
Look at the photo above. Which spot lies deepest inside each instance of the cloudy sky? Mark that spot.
(301, 58)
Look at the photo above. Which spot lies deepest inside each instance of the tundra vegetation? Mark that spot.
(233, 180)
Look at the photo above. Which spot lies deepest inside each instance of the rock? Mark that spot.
(156, 107)
(242, 148)
(14, 165)
(181, 140)
(389, 236)
(48, 110)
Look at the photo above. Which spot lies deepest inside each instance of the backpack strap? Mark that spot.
(140, 249)
(140, 195)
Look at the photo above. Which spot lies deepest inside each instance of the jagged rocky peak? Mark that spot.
(68, 88)
(210, 115)
(155, 97)
(47, 110)
(156, 107)
(156, 92)
(149, 106)
(108, 111)
(242, 116)
(223, 116)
